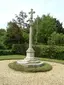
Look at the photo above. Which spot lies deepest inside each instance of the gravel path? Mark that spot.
(11, 77)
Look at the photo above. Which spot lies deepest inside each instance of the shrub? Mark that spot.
(44, 51)
(56, 39)
(6, 52)
(49, 51)
(2, 47)
(19, 48)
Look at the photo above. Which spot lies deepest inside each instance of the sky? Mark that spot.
(8, 9)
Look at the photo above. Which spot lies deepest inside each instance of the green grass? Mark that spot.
(52, 60)
(11, 57)
(16, 57)
(44, 68)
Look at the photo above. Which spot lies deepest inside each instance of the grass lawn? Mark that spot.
(18, 67)
(11, 57)
(16, 57)
(52, 60)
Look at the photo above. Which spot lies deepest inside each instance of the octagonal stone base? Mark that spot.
(33, 62)
(30, 60)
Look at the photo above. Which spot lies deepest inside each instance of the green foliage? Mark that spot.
(56, 38)
(2, 47)
(2, 32)
(11, 57)
(25, 33)
(44, 51)
(46, 30)
(20, 19)
(19, 48)
(46, 26)
(13, 35)
(45, 67)
(6, 52)
(52, 51)
(2, 35)
(16, 57)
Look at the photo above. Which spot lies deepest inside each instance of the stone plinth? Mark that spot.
(32, 62)
(30, 53)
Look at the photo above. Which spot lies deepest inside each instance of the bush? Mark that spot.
(44, 51)
(59, 55)
(2, 47)
(56, 39)
(19, 48)
(49, 51)
(6, 52)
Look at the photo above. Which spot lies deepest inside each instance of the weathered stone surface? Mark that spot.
(30, 60)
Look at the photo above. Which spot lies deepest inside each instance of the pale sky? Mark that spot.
(8, 9)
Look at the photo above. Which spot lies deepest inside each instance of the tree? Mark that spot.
(56, 39)
(2, 35)
(36, 27)
(59, 27)
(25, 33)
(13, 35)
(46, 26)
(21, 22)
(20, 19)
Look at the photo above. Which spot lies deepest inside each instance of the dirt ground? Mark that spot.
(11, 77)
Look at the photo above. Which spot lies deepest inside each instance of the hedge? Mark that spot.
(19, 48)
(45, 51)
(6, 52)
(49, 51)
(2, 47)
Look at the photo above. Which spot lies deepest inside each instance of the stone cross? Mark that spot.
(30, 35)
(31, 16)
(30, 60)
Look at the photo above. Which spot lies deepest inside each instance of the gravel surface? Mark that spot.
(11, 77)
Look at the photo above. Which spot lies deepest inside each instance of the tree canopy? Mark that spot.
(46, 26)
(13, 34)
(44, 29)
